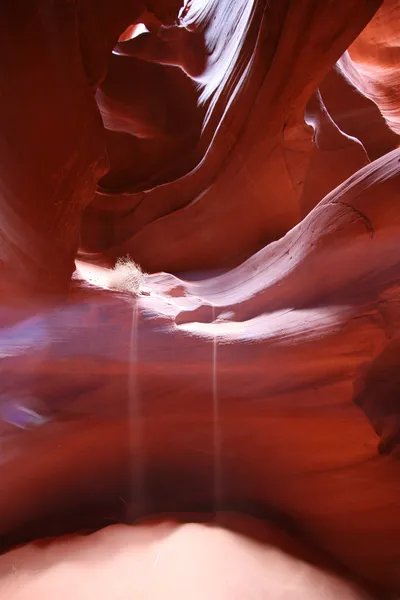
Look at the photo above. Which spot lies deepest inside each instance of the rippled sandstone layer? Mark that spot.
(246, 158)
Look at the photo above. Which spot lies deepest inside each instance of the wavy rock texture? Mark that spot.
(246, 357)
(371, 62)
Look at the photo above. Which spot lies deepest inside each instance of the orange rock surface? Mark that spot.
(245, 357)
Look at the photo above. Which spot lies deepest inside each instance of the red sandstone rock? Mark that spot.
(52, 144)
(291, 330)
(267, 163)
(270, 389)
(371, 63)
(356, 115)
(334, 157)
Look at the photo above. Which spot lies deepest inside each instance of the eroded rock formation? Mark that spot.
(245, 156)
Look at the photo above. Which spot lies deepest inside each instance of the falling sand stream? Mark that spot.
(216, 424)
(136, 505)
(137, 502)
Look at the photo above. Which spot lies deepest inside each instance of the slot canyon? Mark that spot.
(200, 299)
